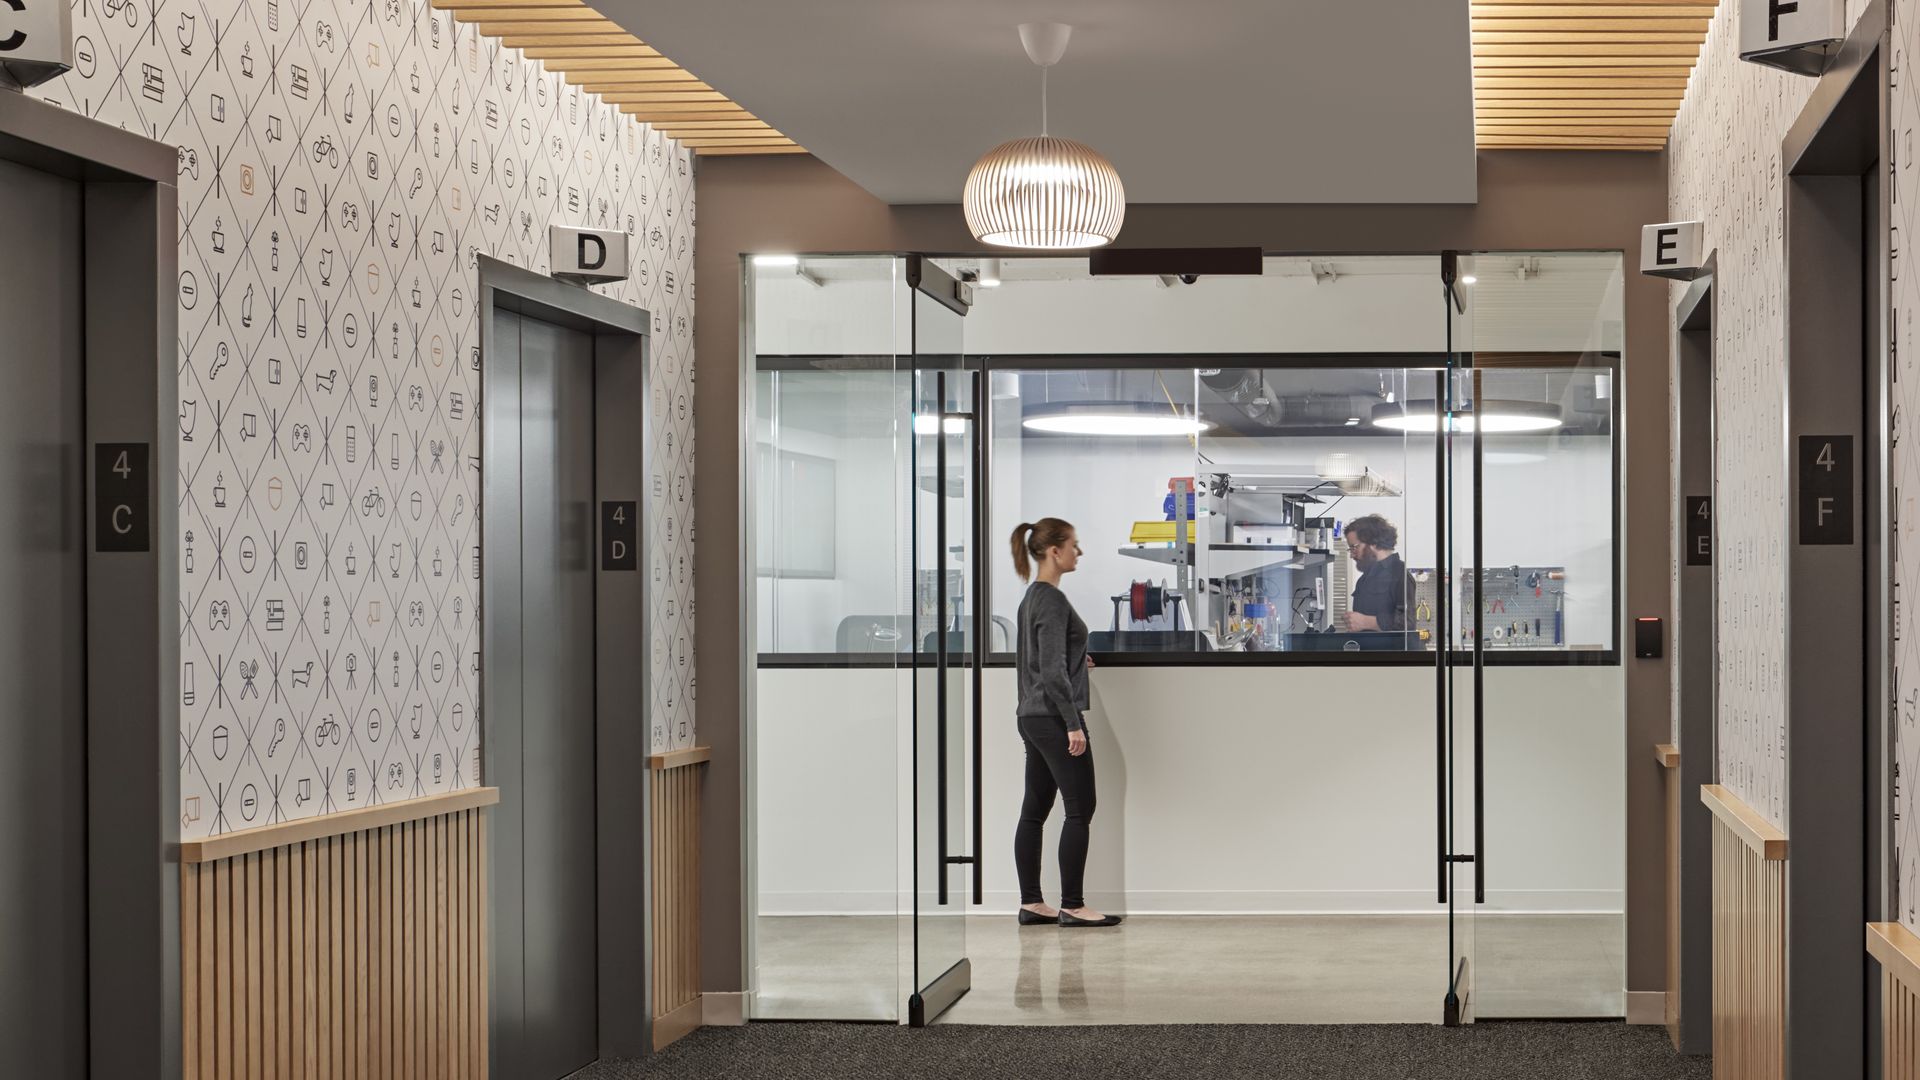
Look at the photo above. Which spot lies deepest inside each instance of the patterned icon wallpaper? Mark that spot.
(1724, 169)
(341, 164)
(1903, 116)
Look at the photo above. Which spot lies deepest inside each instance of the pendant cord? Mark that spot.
(1043, 103)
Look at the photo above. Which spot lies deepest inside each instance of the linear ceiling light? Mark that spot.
(1048, 193)
(1499, 417)
(1111, 418)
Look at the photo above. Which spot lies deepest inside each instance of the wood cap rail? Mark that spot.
(1667, 754)
(674, 759)
(1746, 822)
(1898, 950)
(247, 841)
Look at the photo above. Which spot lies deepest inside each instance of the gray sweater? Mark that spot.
(1051, 664)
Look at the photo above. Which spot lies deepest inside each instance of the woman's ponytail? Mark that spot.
(1022, 565)
(1032, 540)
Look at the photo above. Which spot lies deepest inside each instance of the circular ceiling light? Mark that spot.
(1047, 193)
(1498, 417)
(1112, 419)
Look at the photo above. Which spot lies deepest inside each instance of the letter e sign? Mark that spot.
(1674, 249)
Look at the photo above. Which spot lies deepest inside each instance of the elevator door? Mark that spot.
(556, 601)
(43, 956)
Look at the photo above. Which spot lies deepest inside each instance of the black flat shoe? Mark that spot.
(1033, 918)
(1069, 920)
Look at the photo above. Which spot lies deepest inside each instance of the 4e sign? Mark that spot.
(1826, 489)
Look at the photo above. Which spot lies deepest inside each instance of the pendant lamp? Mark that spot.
(1048, 193)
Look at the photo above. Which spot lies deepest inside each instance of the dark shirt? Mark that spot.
(1383, 592)
(1051, 662)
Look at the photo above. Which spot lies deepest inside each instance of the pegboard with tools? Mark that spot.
(1525, 606)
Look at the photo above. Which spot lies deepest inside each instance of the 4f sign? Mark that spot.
(36, 41)
(590, 255)
(1673, 250)
(1794, 35)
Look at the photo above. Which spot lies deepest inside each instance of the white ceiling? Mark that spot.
(1222, 101)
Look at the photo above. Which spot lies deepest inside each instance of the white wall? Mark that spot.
(1571, 302)
(1294, 789)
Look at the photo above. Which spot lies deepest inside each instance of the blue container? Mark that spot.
(1167, 505)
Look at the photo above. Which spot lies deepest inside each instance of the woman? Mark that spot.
(1051, 667)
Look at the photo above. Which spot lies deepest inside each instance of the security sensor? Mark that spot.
(1188, 279)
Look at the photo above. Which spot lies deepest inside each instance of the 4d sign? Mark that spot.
(586, 255)
(36, 41)
(1793, 35)
(1673, 250)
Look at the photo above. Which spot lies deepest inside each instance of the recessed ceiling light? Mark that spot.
(1498, 417)
(1468, 279)
(1121, 418)
(927, 424)
(1353, 421)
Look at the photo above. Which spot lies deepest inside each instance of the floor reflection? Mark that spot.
(1202, 969)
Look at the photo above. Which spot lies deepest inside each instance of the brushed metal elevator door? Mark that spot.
(43, 898)
(557, 611)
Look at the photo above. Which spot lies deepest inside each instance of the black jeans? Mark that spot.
(1049, 769)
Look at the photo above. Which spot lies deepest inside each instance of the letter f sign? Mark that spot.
(1775, 9)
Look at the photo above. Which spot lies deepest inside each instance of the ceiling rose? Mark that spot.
(1047, 192)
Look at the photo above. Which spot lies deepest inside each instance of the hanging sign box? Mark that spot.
(36, 41)
(589, 255)
(1676, 249)
(1792, 35)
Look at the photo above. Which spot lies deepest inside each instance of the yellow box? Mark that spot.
(1158, 532)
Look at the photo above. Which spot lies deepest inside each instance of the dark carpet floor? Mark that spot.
(1501, 1051)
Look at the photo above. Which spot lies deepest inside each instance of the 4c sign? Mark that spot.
(36, 41)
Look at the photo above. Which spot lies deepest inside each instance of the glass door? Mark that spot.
(826, 737)
(1458, 620)
(947, 603)
(1538, 769)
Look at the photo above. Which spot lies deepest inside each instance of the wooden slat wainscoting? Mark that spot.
(1898, 951)
(676, 892)
(1668, 756)
(1749, 940)
(347, 945)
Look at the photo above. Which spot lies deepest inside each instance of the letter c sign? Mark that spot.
(12, 42)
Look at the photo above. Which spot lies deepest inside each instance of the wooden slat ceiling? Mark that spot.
(593, 53)
(1582, 74)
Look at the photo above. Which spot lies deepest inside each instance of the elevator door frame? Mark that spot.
(1837, 366)
(622, 679)
(1696, 662)
(129, 214)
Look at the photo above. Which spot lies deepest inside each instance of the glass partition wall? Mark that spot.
(1338, 509)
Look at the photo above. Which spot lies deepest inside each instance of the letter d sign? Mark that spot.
(599, 257)
(36, 41)
(585, 255)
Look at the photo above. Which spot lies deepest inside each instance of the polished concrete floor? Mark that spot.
(1293, 969)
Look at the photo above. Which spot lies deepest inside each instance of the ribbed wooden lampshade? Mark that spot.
(1045, 193)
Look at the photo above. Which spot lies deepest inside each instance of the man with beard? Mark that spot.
(1381, 596)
